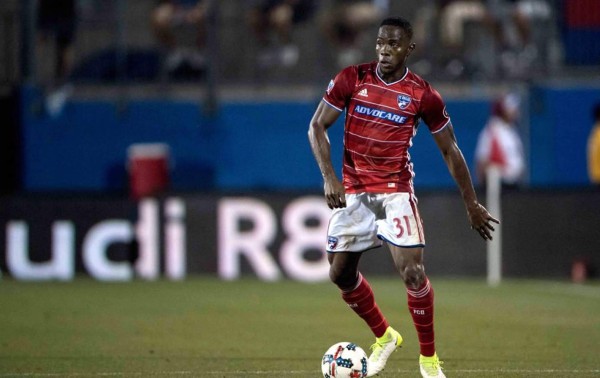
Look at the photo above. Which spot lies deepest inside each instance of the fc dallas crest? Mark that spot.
(403, 101)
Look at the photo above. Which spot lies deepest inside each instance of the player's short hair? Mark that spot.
(400, 22)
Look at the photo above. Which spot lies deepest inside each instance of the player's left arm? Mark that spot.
(479, 218)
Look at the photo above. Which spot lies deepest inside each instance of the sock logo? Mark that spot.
(418, 312)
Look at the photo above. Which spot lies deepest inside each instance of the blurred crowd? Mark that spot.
(456, 39)
(487, 38)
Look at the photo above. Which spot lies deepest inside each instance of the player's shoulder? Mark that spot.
(421, 88)
(366, 68)
(359, 71)
(417, 81)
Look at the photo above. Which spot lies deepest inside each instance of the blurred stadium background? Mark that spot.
(128, 170)
(224, 145)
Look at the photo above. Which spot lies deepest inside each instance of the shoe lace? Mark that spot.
(377, 348)
(432, 366)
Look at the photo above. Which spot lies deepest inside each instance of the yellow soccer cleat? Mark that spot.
(382, 349)
(431, 367)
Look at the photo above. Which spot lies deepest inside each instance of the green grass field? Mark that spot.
(204, 327)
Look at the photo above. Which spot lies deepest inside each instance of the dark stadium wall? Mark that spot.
(10, 143)
(275, 236)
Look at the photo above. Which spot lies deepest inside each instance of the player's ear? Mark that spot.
(411, 47)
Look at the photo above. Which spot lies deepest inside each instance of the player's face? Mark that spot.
(393, 47)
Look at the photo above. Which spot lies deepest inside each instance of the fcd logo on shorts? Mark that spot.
(403, 101)
(332, 242)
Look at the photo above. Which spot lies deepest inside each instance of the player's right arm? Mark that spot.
(324, 117)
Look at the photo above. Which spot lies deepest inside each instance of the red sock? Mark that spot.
(362, 301)
(420, 305)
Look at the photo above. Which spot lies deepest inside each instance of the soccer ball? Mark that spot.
(344, 360)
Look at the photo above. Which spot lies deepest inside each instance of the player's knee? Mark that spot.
(413, 276)
(341, 278)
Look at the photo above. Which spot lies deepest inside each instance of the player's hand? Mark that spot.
(335, 194)
(481, 221)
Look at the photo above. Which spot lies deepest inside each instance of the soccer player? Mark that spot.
(375, 200)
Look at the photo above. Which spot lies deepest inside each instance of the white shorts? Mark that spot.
(369, 218)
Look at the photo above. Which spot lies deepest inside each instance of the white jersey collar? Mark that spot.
(397, 81)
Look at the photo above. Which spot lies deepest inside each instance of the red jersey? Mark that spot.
(381, 120)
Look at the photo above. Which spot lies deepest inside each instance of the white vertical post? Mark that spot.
(175, 239)
(494, 204)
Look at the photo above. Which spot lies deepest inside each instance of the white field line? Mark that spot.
(225, 373)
